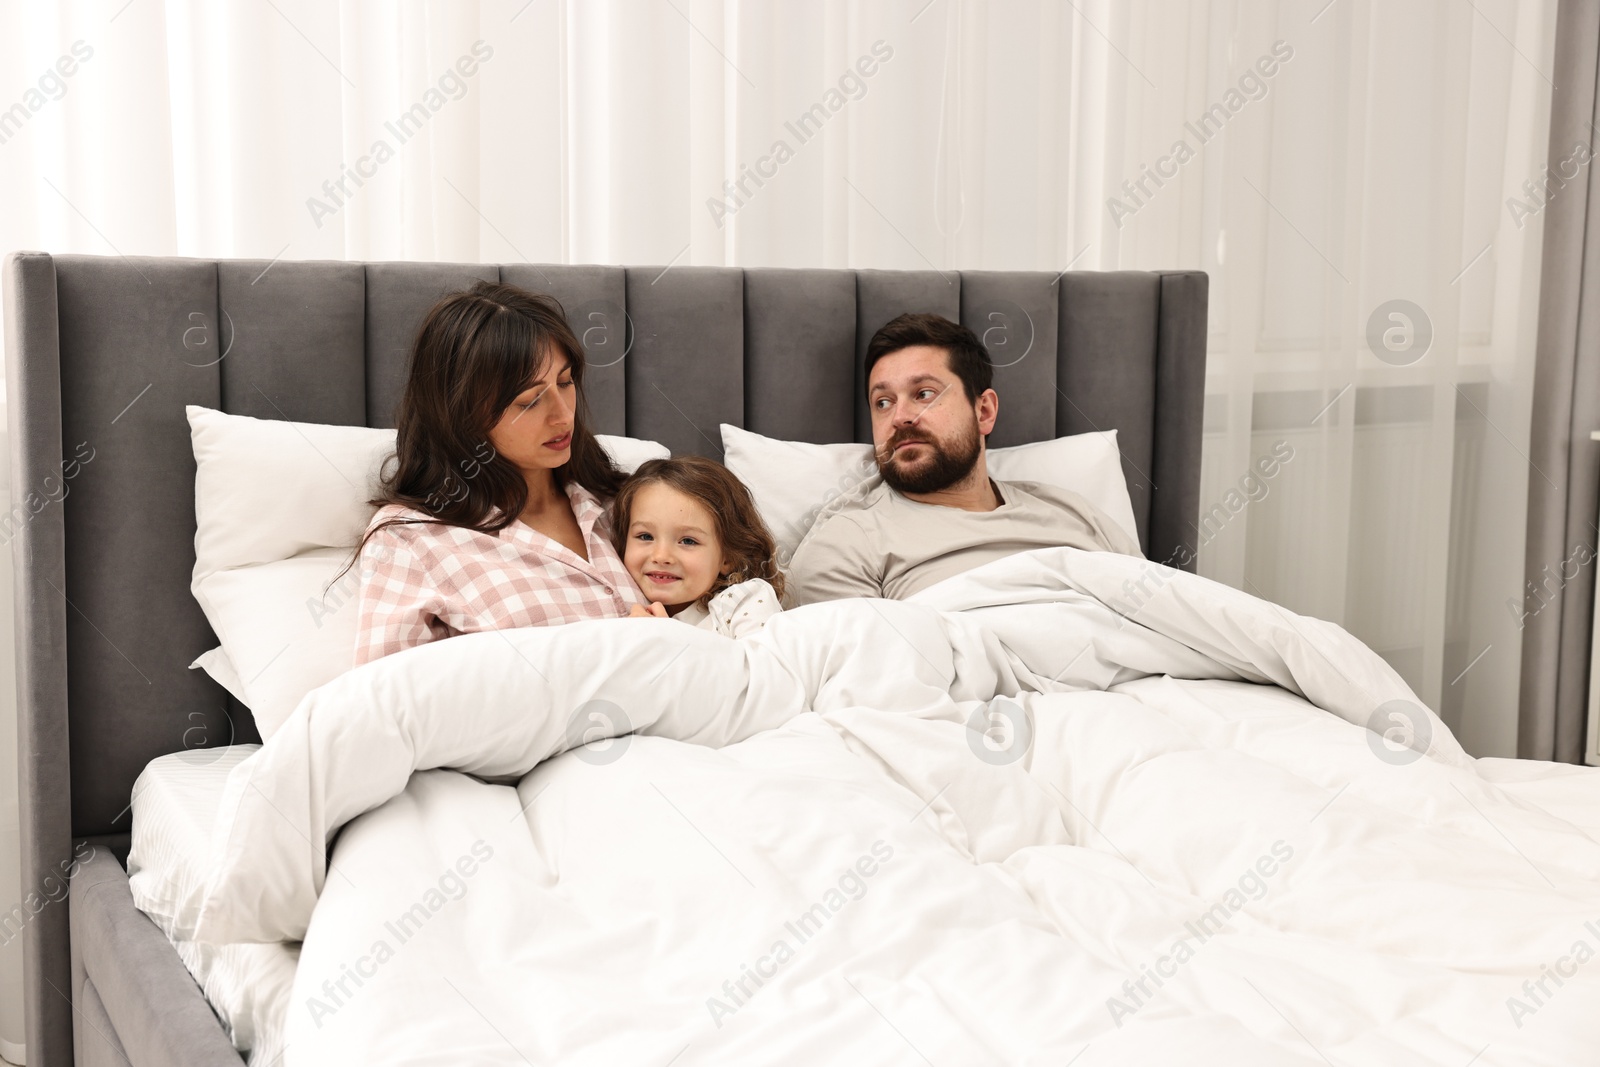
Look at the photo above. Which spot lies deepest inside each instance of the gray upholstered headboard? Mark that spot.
(103, 354)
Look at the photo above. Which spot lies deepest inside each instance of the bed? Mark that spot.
(1070, 806)
(109, 351)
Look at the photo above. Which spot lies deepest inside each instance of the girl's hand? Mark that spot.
(654, 611)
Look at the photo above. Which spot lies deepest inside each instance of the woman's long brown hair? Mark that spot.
(473, 354)
(746, 542)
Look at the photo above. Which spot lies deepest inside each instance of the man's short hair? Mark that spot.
(967, 357)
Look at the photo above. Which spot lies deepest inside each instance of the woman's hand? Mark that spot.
(654, 611)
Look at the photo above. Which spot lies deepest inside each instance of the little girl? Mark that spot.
(688, 531)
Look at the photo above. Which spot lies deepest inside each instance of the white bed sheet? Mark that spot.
(809, 851)
(175, 803)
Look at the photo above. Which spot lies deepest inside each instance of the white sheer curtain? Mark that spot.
(1339, 155)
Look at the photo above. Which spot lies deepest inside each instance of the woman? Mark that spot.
(492, 516)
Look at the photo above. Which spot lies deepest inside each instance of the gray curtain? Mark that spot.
(1562, 534)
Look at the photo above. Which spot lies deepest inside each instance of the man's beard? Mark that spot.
(950, 462)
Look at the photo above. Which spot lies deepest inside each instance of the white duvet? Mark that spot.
(1071, 807)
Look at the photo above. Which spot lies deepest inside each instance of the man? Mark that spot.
(936, 512)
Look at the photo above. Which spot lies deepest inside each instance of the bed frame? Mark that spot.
(103, 353)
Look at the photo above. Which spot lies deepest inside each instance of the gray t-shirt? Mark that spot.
(881, 544)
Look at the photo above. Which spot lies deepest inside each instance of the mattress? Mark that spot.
(175, 803)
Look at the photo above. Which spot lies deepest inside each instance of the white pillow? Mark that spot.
(792, 481)
(217, 664)
(284, 629)
(279, 507)
(1089, 464)
(265, 490)
(628, 454)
